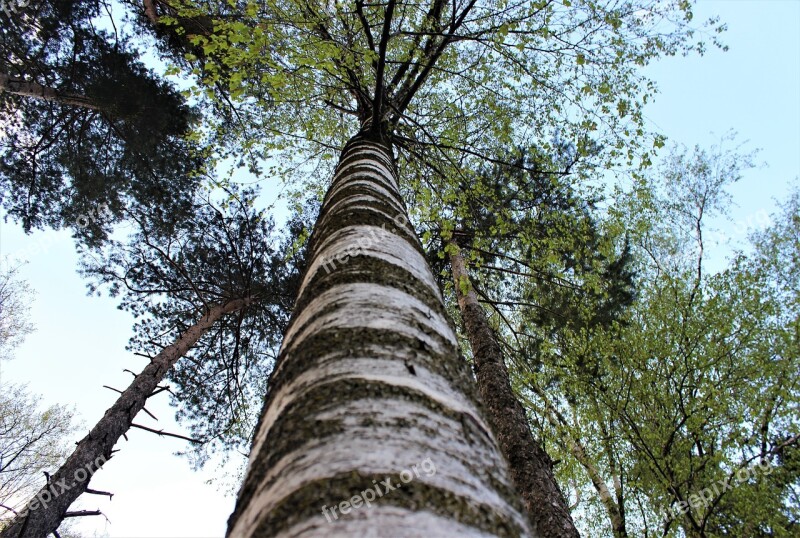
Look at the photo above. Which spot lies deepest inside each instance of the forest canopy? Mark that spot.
(444, 227)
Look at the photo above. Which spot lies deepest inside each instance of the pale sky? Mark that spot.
(80, 341)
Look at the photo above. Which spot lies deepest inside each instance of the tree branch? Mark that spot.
(162, 433)
(82, 513)
(377, 105)
(98, 492)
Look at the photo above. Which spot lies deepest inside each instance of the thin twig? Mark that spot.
(149, 413)
(163, 433)
(98, 492)
(159, 390)
(9, 509)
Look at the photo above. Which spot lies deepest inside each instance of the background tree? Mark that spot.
(87, 129)
(203, 294)
(689, 387)
(226, 250)
(32, 442)
(15, 299)
(531, 242)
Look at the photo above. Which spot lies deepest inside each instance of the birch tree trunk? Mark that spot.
(43, 513)
(614, 508)
(25, 88)
(531, 467)
(370, 426)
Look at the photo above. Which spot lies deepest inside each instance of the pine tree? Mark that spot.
(89, 131)
(210, 295)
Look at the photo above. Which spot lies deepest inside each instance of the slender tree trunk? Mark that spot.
(32, 89)
(44, 513)
(370, 424)
(531, 467)
(615, 513)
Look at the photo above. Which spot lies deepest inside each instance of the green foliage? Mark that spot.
(32, 441)
(694, 386)
(302, 76)
(535, 241)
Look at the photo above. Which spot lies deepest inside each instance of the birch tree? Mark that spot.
(343, 419)
(657, 412)
(419, 79)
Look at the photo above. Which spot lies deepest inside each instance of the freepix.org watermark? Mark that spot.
(55, 489)
(379, 489)
(706, 496)
(363, 244)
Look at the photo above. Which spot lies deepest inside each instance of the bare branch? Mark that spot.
(377, 106)
(162, 433)
(98, 492)
(82, 513)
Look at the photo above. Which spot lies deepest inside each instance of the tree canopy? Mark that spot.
(226, 251)
(88, 130)
(450, 82)
(664, 390)
(685, 419)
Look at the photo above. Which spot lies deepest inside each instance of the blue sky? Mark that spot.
(754, 88)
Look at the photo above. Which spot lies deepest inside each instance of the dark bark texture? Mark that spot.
(44, 513)
(530, 466)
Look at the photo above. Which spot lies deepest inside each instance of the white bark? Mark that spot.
(26, 88)
(369, 385)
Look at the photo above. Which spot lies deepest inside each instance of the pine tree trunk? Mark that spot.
(531, 467)
(44, 513)
(37, 91)
(370, 426)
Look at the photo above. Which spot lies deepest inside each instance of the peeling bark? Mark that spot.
(40, 519)
(530, 466)
(368, 389)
